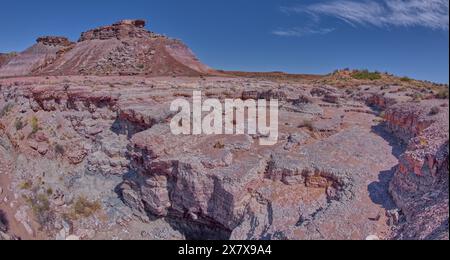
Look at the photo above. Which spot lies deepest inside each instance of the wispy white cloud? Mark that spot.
(433, 14)
(300, 32)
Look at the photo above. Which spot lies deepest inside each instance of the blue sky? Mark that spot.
(405, 37)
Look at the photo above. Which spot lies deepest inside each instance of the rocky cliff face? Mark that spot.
(54, 41)
(420, 184)
(121, 30)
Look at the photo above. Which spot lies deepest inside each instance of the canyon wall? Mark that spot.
(421, 182)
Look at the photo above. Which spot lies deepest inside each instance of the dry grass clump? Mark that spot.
(82, 207)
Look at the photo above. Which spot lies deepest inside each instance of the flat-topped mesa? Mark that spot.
(123, 48)
(54, 41)
(121, 30)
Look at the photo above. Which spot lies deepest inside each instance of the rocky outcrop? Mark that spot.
(54, 41)
(121, 30)
(421, 182)
(266, 95)
(380, 101)
(330, 98)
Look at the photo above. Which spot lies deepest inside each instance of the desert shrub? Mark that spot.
(366, 75)
(34, 125)
(85, 208)
(40, 204)
(417, 97)
(423, 142)
(6, 109)
(443, 93)
(59, 149)
(26, 185)
(307, 124)
(405, 79)
(19, 124)
(219, 145)
(434, 111)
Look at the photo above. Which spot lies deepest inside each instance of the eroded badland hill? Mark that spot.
(86, 151)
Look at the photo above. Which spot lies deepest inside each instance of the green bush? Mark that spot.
(366, 75)
(405, 79)
(34, 125)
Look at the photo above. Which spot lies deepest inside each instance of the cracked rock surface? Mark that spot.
(93, 157)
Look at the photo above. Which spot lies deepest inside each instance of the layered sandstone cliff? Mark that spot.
(40, 54)
(124, 48)
(421, 182)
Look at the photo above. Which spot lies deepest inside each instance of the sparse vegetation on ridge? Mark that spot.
(366, 75)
